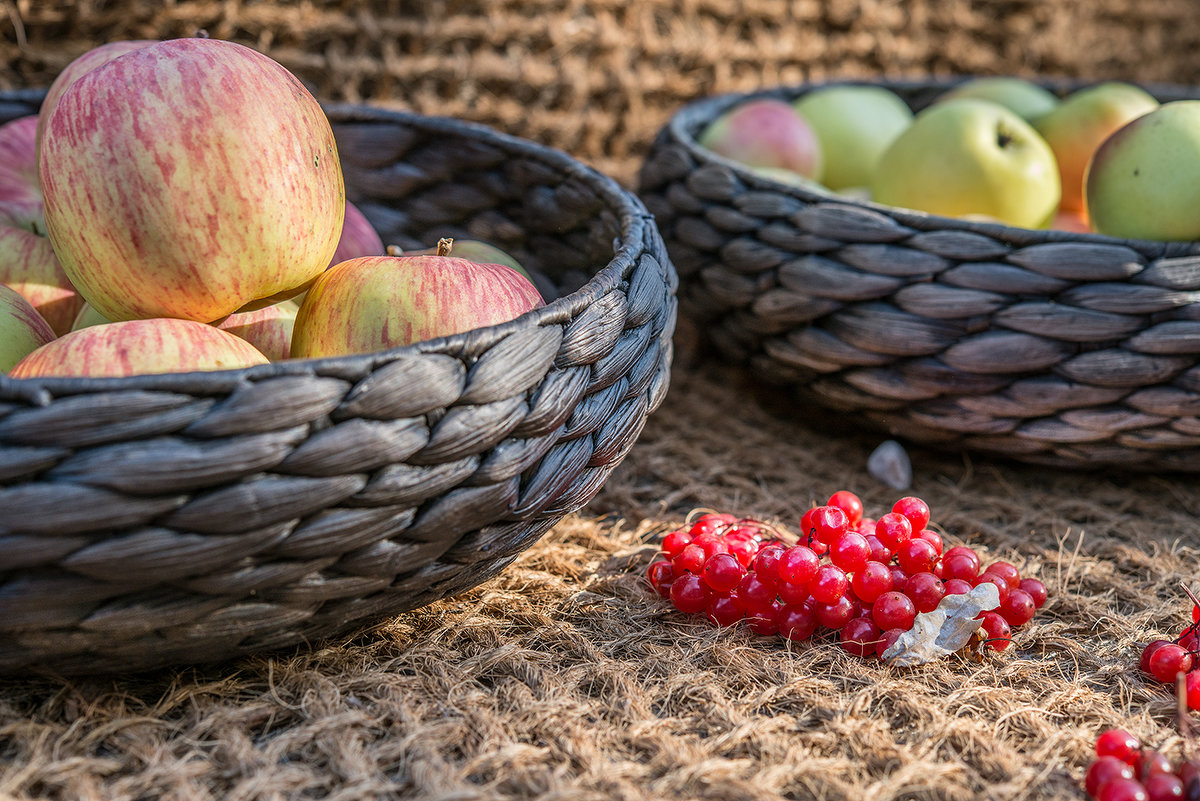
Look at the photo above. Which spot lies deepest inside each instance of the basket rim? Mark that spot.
(631, 215)
(688, 119)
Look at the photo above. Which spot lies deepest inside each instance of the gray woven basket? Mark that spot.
(1056, 348)
(188, 518)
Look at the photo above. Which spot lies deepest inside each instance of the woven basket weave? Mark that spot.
(1057, 348)
(187, 518)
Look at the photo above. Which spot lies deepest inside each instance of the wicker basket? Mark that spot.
(188, 518)
(1049, 347)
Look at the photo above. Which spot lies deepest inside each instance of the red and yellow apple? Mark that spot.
(970, 157)
(1144, 180)
(1083, 120)
(268, 329)
(854, 124)
(374, 303)
(765, 132)
(22, 329)
(1023, 97)
(137, 347)
(190, 178)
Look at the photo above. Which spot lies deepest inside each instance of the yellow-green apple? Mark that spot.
(136, 347)
(1029, 101)
(83, 64)
(1083, 120)
(765, 132)
(358, 237)
(27, 260)
(1144, 180)
(854, 125)
(373, 303)
(970, 157)
(475, 250)
(269, 329)
(22, 329)
(87, 317)
(190, 178)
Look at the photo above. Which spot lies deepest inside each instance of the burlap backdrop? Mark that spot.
(564, 677)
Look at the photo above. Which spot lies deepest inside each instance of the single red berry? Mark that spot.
(690, 594)
(830, 583)
(872, 581)
(866, 526)
(690, 560)
(1122, 789)
(722, 572)
(711, 523)
(899, 576)
(917, 556)
(999, 633)
(1018, 608)
(999, 581)
(766, 563)
(1036, 590)
(850, 551)
(798, 565)
(1150, 762)
(849, 503)
(723, 611)
(930, 536)
(1163, 787)
(764, 619)
(1148, 651)
(879, 551)
(793, 593)
(959, 566)
(893, 530)
(886, 640)
(1189, 640)
(1191, 688)
(753, 593)
(836, 614)
(660, 574)
(957, 586)
(830, 523)
(808, 528)
(711, 543)
(750, 529)
(915, 509)
(744, 548)
(926, 591)
(1104, 770)
(675, 542)
(893, 610)
(797, 622)
(859, 636)
(1007, 572)
(1168, 661)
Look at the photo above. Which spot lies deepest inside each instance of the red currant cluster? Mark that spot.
(865, 578)
(1124, 771)
(1164, 660)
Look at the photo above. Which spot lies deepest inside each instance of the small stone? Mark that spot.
(890, 464)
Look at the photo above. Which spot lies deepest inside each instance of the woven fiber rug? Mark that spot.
(566, 677)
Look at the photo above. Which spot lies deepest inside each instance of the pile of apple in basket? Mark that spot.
(1108, 158)
(179, 206)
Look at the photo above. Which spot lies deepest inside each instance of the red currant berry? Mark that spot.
(1148, 651)
(1191, 688)
(930, 536)
(1006, 571)
(1189, 640)
(836, 614)
(893, 610)
(1150, 762)
(879, 551)
(675, 542)
(1168, 661)
(860, 636)
(764, 619)
(1001, 584)
(872, 581)
(997, 631)
(893, 530)
(793, 593)
(722, 572)
(850, 551)
(1018, 608)
(917, 556)
(661, 574)
(808, 528)
(723, 611)
(797, 622)
(830, 583)
(743, 548)
(766, 564)
(690, 594)
(1104, 770)
(798, 565)
(926, 591)
(959, 566)
(1036, 590)
(830, 523)
(849, 503)
(899, 576)
(690, 560)
(1122, 790)
(1189, 773)
(957, 586)
(1163, 787)
(915, 509)
(712, 544)
(711, 523)
(753, 593)
(886, 640)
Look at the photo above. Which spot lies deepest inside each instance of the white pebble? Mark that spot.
(890, 464)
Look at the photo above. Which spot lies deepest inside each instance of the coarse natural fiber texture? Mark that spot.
(1048, 346)
(184, 518)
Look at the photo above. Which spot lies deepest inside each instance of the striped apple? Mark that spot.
(137, 347)
(376, 302)
(191, 178)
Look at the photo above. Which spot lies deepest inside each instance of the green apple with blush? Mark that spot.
(765, 132)
(970, 158)
(854, 124)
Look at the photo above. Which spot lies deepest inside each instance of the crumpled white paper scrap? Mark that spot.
(945, 629)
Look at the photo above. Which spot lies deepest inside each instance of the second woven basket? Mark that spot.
(1050, 347)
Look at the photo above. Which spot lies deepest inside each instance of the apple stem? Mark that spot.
(200, 33)
(394, 250)
(444, 245)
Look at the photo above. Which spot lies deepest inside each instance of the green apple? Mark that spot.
(1083, 120)
(854, 125)
(22, 329)
(1144, 180)
(970, 157)
(1028, 100)
(765, 132)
